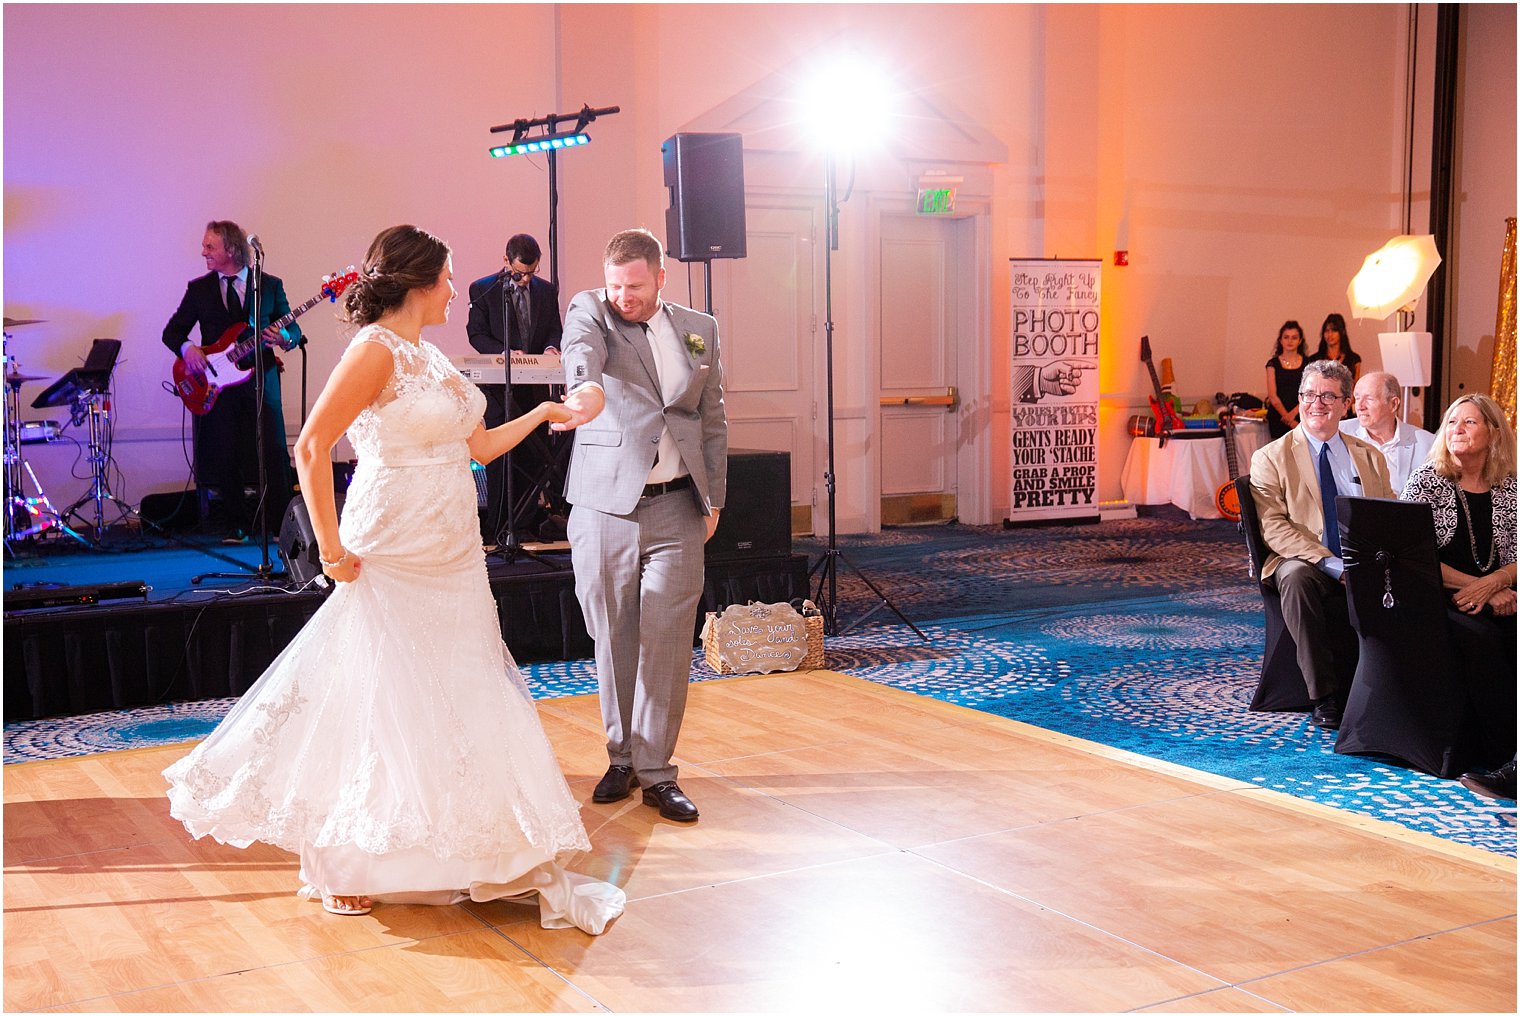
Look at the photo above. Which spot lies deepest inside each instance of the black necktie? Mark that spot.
(234, 305)
(1327, 492)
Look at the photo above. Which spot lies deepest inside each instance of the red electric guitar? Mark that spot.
(1164, 405)
(229, 360)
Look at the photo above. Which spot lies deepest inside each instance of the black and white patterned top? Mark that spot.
(1429, 486)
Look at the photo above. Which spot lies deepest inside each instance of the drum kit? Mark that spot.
(29, 513)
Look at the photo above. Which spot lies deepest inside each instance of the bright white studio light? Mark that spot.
(848, 105)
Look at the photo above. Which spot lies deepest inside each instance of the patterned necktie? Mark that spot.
(520, 307)
(234, 305)
(1327, 492)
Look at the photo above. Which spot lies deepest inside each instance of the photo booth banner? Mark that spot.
(1054, 453)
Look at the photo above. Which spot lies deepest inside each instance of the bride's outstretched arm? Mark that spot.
(355, 383)
(488, 445)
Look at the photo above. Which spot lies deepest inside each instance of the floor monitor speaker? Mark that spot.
(757, 519)
(298, 542)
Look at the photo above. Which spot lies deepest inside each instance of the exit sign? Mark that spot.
(936, 201)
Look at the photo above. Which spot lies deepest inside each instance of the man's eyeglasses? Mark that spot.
(517, 276)
(1324, 398)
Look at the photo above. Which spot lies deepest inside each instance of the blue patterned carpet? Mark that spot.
(1143, 635)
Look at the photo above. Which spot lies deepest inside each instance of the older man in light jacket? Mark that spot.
(1379, 406)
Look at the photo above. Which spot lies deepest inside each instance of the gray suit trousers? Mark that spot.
(638, 578)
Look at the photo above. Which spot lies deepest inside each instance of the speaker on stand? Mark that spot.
(705, 220)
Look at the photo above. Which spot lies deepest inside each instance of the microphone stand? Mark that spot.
(507, 544)
(264, 573)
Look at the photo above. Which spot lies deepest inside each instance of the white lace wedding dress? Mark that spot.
(393, 744)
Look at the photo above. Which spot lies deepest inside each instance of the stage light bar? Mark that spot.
(548, 142)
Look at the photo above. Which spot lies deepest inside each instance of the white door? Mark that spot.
(764, 305)
(924, 312)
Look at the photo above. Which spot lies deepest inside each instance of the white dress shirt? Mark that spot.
(1347, 483)
(1404, 451)
(672, 364)
(239, 283)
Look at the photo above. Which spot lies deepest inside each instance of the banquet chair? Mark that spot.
(1281, 686)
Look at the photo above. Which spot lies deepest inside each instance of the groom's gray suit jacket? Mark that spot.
(614, 453)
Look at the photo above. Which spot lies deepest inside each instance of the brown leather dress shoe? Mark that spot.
(673, 804)
(616, 784)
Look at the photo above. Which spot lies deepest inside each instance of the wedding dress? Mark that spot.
(393, 745)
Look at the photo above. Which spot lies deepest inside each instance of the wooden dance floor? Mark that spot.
(860, 849)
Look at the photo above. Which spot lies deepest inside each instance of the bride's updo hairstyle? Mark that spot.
(400, 259)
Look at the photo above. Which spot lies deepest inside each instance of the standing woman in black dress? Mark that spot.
(1335, 344)
(1284, 371)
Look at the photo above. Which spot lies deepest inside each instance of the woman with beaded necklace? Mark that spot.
(1469, 483)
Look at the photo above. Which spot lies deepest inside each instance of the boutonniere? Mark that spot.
(694, 344)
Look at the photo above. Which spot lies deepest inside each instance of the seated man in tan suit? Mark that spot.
(1295, 481)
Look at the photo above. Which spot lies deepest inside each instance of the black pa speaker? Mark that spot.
(298, 543)
(757, 520)
(705, 174)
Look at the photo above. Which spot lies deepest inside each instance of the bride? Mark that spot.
(393, 744)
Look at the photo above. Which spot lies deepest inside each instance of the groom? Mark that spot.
(648, 476)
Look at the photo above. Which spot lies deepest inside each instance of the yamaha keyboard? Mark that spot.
(527, 368)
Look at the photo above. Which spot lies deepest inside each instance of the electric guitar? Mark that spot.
(1227, 498)
(1164, 406)
(230, 359)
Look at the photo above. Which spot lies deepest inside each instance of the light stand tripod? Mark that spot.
(550, 141)
(507, 544)
(264, 573)
(827, 568)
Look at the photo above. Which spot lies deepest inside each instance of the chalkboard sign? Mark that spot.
(758, 638)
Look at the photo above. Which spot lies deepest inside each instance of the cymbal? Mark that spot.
(14, 377)
(18, 322)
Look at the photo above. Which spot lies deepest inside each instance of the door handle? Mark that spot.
(949, 400)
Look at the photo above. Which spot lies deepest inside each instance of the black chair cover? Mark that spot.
(1281, 688)
(1406, 701)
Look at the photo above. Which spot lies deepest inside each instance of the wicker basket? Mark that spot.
(812, 661)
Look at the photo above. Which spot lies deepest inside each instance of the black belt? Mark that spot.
(656, 489)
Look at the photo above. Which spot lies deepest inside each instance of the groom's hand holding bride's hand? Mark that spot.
(555, 412)
(580, 406)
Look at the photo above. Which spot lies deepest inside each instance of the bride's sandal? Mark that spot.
(347, 906)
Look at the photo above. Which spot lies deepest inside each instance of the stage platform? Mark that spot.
(178, 641)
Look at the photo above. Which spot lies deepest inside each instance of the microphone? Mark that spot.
(253, 241)
(501, 277)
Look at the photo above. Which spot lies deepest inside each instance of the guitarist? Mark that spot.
(225, 438)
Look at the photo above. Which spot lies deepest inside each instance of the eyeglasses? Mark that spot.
(1323, 398)
(518, 276)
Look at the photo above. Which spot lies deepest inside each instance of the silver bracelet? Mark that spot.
(333, 564)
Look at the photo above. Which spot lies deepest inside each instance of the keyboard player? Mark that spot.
(513, 308)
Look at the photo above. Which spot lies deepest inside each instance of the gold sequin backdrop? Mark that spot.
(1502, 384)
